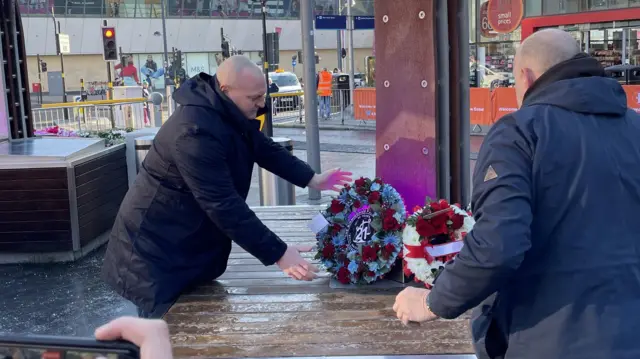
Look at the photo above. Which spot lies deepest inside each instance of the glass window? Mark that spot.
(472, 20)
(614, 4)
(150, 68)
(533, 8)
(597, 4)
(196, 63)
(494, 64)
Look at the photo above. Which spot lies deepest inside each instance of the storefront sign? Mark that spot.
(505, 15)
(485, 29)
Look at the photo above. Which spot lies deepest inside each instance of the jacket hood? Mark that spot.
(580, 85)
(203, 90)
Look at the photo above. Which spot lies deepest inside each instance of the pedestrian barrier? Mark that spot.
(92, 115)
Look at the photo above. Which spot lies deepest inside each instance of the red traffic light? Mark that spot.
(108, 32)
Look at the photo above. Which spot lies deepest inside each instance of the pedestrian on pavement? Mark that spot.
(325, 81)
(178, 220)
(552, 266)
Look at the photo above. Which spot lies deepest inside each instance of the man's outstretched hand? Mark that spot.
(334, 179)
(295, 266)
(411, 306)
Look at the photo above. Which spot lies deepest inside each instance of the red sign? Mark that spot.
(485, 28)
(505, 15)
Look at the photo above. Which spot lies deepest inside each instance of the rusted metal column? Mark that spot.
(406, 83)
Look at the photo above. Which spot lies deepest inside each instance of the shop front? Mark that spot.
(611, 36)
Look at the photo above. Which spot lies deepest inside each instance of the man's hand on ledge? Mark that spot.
(295, 266)
(411, 306)
(333, 179)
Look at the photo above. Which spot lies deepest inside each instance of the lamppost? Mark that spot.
(268, 119)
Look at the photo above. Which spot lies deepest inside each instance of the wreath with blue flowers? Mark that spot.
(363, 237)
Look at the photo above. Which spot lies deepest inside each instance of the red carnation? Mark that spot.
(357, 204)
(390, 248)
(328, 251)
(457, 221)
(361, 191)
(343, 275)
(371, 274)
(378, 181)
(389, 224)
(369, 253)
(426, 229)
(417, 209)
(440, 220)
(336, 207)
(374, 197)
(360, 182)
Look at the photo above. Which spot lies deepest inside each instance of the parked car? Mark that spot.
(287, 83)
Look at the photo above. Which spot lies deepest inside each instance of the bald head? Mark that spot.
(243, 83)
(547, 48)
(237, 68)
(538, 53)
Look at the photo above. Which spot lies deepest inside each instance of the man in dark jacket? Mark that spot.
(177, 223)
(552, 266)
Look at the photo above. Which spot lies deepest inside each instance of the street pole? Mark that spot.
(56, 31)
(339, 38)
(310, 94)
(268, 119)
(351, 61)
(164, 37)
(39, 78)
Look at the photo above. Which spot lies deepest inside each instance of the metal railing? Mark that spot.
(94, 115)
(276, 9)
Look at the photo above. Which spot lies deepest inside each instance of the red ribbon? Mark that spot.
(419, 252)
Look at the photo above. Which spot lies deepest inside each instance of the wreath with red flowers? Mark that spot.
(363, 237)
(432, 237)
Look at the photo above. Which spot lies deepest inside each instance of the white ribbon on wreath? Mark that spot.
(420, 267)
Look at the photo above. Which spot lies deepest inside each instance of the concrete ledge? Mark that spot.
(54, 257)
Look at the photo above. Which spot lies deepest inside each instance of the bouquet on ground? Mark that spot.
(432, 237)
(363, 235)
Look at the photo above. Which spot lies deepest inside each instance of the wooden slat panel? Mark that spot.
(37, 184)
(35, 246)
(27, 216)
(35, 225)
(49, 236)
(30, 195)
(32, 173)
(99, 162)
(256, 311)
(101, 185)
(34, 205)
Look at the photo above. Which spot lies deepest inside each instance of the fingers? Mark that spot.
(303, 248)
(117, 329)
(313, 268)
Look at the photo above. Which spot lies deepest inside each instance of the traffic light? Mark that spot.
(43, 66)
(225, 49)
(343, 53)
(109, 47)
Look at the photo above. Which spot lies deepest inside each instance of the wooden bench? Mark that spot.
(256, 311)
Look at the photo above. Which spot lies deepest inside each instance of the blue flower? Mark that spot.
(390, 195)
(339, 217)
(338, 241)
(391, 239)
(352, 193)
(343, 197)
(373, 266)
(353, 267)
(327, 264)
(399, 217)
(375, 187)
(352, 254)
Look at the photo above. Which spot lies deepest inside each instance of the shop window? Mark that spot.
(597, 4)
(533, 8)
(616, 4)
(494, 64)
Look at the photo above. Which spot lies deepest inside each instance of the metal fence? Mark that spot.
(94, 115)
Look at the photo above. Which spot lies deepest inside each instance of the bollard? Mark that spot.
(142, 146)
(155, 100)
(275, 191)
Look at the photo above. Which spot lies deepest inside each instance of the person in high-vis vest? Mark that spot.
(324, 93)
